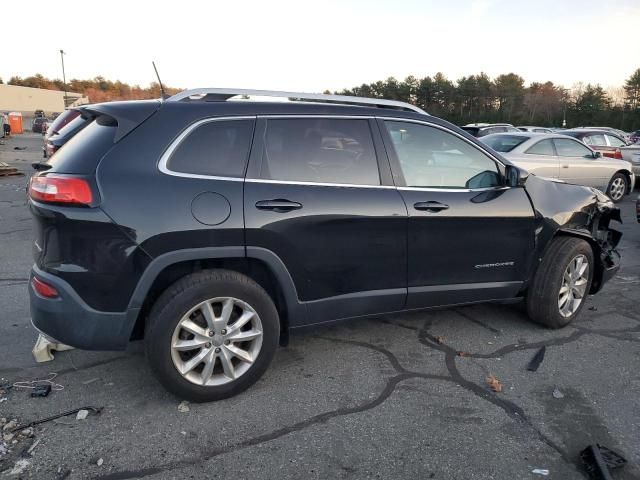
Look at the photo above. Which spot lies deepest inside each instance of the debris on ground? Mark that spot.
(7, 170)
(494, 383)
(183, 407)
(91, 380)
(593, 308)
(598, 459)
(19, 148)
(41, 390)
(43, 348)
(10, 425)
(537, 359)
(100, 462)
(557, 393)
(440, 339)
(95, 410)
(41, 387)
(540, 471)
(463, 354)
(19, 467)
(33, 447)
(82, 414)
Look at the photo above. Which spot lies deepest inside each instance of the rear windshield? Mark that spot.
(571, 134)
(504, 143)
(82, 153)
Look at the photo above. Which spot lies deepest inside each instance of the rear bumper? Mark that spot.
(69, 320)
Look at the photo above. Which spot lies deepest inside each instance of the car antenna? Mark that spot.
(164, 95)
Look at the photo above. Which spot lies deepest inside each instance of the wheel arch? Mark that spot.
(261, 265)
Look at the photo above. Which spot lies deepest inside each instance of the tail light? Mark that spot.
(60, 189)
(43, 289)
(617, 154)
(51, 149)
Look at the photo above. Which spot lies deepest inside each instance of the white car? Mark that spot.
(564, 158)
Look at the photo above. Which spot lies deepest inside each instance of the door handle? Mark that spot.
(430, 206)
(565, 166)
(278, 205)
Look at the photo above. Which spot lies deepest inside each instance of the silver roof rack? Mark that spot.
(223, 94)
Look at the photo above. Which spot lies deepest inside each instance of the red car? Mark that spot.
(603, 141)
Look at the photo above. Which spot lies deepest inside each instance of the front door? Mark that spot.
(470, 237)
(578, 165)
(316, 198)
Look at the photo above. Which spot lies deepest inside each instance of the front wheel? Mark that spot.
(211, 335)
(618, 187)
(561, 283)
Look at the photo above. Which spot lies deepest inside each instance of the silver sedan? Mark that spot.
(564, 158)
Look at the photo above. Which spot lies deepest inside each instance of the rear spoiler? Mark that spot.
(128, 114)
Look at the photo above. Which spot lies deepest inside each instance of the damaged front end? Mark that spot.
(585, 212)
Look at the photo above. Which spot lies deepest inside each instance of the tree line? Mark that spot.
(478, 98)
(474, 98)
(97, 89)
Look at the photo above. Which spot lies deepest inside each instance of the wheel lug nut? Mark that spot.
(217, 350)
(224, 332)
(227, 342)
(211, 333)
(208, 344)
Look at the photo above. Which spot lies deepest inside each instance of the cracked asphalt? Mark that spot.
(400, 396)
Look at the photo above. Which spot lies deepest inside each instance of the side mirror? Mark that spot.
(597, 154)
(515, 177)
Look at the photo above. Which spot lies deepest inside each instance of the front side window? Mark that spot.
(431, 157)
(571, 148)
(216, 148)
(543, 147)
(615, 141)
(320, 150)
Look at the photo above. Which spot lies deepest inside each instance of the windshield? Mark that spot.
(504, 143)
(471, 130)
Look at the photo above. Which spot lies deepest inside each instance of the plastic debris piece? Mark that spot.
(91, 380)
(33, 446)
(557, 393)
(598, 460)
(100, 462)
(82, 414)
(537, 359)
(42, 350)
(42, 390)
(20, 466)
(183, 407)
(540, 471)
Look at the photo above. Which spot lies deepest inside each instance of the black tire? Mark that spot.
(615, 182)
(542, 296)
(177, 300)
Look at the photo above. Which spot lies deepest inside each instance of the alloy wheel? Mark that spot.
(216, 341)
(617, 189)
(574, 285)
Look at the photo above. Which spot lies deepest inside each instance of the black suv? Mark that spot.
(211, 227)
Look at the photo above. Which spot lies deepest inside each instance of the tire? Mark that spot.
(543, 296)
(618, 187)
(212, 291)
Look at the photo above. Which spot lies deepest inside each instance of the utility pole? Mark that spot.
(64, 78)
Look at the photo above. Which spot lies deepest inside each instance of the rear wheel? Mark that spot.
(618, 187)
(562, 282)
(211, 335)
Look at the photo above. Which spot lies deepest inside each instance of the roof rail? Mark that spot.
(223, 94)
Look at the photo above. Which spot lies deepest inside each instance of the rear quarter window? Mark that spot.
(84, 150)
(214, 148)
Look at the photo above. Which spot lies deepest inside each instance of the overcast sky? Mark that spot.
(313, 46)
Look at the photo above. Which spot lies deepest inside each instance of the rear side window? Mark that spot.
(322, 150)
(543, 147)
(504, 143)
(615, 141)
(84, 150)
(215, 148)
(597, 139)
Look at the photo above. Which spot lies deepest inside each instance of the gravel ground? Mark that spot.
(380, 398)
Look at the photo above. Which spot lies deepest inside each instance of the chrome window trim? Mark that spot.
(452, 190)
(319, 184)
(166, 156)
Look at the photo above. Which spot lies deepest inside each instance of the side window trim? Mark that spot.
(166, 156)
(398, 176)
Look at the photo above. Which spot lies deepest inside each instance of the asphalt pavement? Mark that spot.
(401, 396)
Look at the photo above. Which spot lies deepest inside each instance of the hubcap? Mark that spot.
(574, 285)
(618, 187)
(216, 341)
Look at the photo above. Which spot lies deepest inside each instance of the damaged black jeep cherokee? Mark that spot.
(211, 227)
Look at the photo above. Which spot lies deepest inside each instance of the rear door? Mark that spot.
(318, 196)
(578, 165)
(470, 237)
